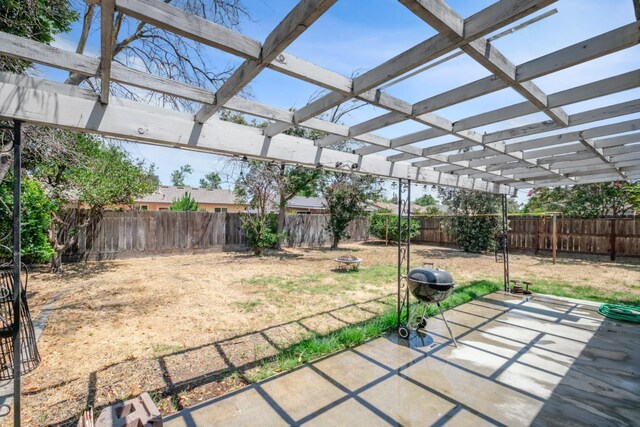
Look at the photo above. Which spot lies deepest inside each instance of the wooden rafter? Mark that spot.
(490, 162)
(107, 9)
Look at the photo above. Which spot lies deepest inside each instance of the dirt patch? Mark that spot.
(186, 327)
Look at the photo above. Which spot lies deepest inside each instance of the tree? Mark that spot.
(185, 203)
(178, 175)
(346, 196)
(256, 189)
(513, 206)
(211, 181)
(98, 176)
(471, 225)
(586, 201)
(38, 20)
(426, 200)
(293, 181)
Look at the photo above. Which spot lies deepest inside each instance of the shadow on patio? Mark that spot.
(521, 361)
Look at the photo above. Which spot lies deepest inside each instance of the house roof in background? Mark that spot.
(168, 193)
(301, 202)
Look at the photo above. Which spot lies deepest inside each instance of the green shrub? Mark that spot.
(36, 220)
(472, 233)
(260, 234)
(378, 226)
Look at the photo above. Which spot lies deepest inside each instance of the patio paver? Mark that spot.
(539, 361)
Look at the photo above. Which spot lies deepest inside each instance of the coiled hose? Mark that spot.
(628, 313)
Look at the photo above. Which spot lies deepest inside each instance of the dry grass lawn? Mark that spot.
(187, 328)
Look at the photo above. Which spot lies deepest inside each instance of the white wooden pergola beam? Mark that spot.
(602, 45)
(598, 152)
(581, 93)
(476, 26)
(163, 15)
(48, 55)
(597, 114)
(440, 16)
(533, 144)
(177, 21)
(107, 9)
(295, 23)
(626, 36)
(606, 130)
(33, 102)
(41, 53)
(577, 152)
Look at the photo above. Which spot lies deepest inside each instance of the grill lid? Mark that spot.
(431, 276)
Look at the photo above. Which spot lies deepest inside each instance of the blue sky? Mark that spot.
(356, 35)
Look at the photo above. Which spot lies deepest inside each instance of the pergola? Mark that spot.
(479, 161)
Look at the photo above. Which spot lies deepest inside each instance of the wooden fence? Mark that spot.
(601, 236)
(134, 233)
(137, 233)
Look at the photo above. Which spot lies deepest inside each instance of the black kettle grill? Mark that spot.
(428, 285)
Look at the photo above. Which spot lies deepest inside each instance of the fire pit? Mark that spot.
(428, 285)
(348, 261)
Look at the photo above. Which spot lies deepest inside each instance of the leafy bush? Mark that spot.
(471, 227)
(36, 220)
(186, 203)
(472, 233)
(260, 234)
(378, 226)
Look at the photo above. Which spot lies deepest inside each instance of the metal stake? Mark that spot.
(17, 286)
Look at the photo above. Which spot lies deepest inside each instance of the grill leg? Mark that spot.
(411, 317)
(447, 324)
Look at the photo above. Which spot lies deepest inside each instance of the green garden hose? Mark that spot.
(629, 313)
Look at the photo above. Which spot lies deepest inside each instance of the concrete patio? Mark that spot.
(540, 361)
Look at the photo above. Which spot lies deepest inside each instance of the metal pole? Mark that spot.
(408, 226)
(505, 243)
(399, 246)
(17, 287)
(554, 238)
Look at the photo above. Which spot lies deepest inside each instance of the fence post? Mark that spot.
(612, 240)
(538, 225)
(554, 238)
(386, 231)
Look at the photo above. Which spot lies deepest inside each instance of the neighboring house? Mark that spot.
(220, 200)
(306, 205)
(315, 205)
(223, 200)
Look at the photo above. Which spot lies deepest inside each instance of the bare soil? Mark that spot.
(187, 328)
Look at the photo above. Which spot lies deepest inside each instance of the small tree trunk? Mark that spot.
(282, 217)
(56, 263)
(334, 242)
(56, 259)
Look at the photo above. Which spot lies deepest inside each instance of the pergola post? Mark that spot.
(404, 249)
(17, 286)
(505, 242)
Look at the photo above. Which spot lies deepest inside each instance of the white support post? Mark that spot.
(107, 8)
